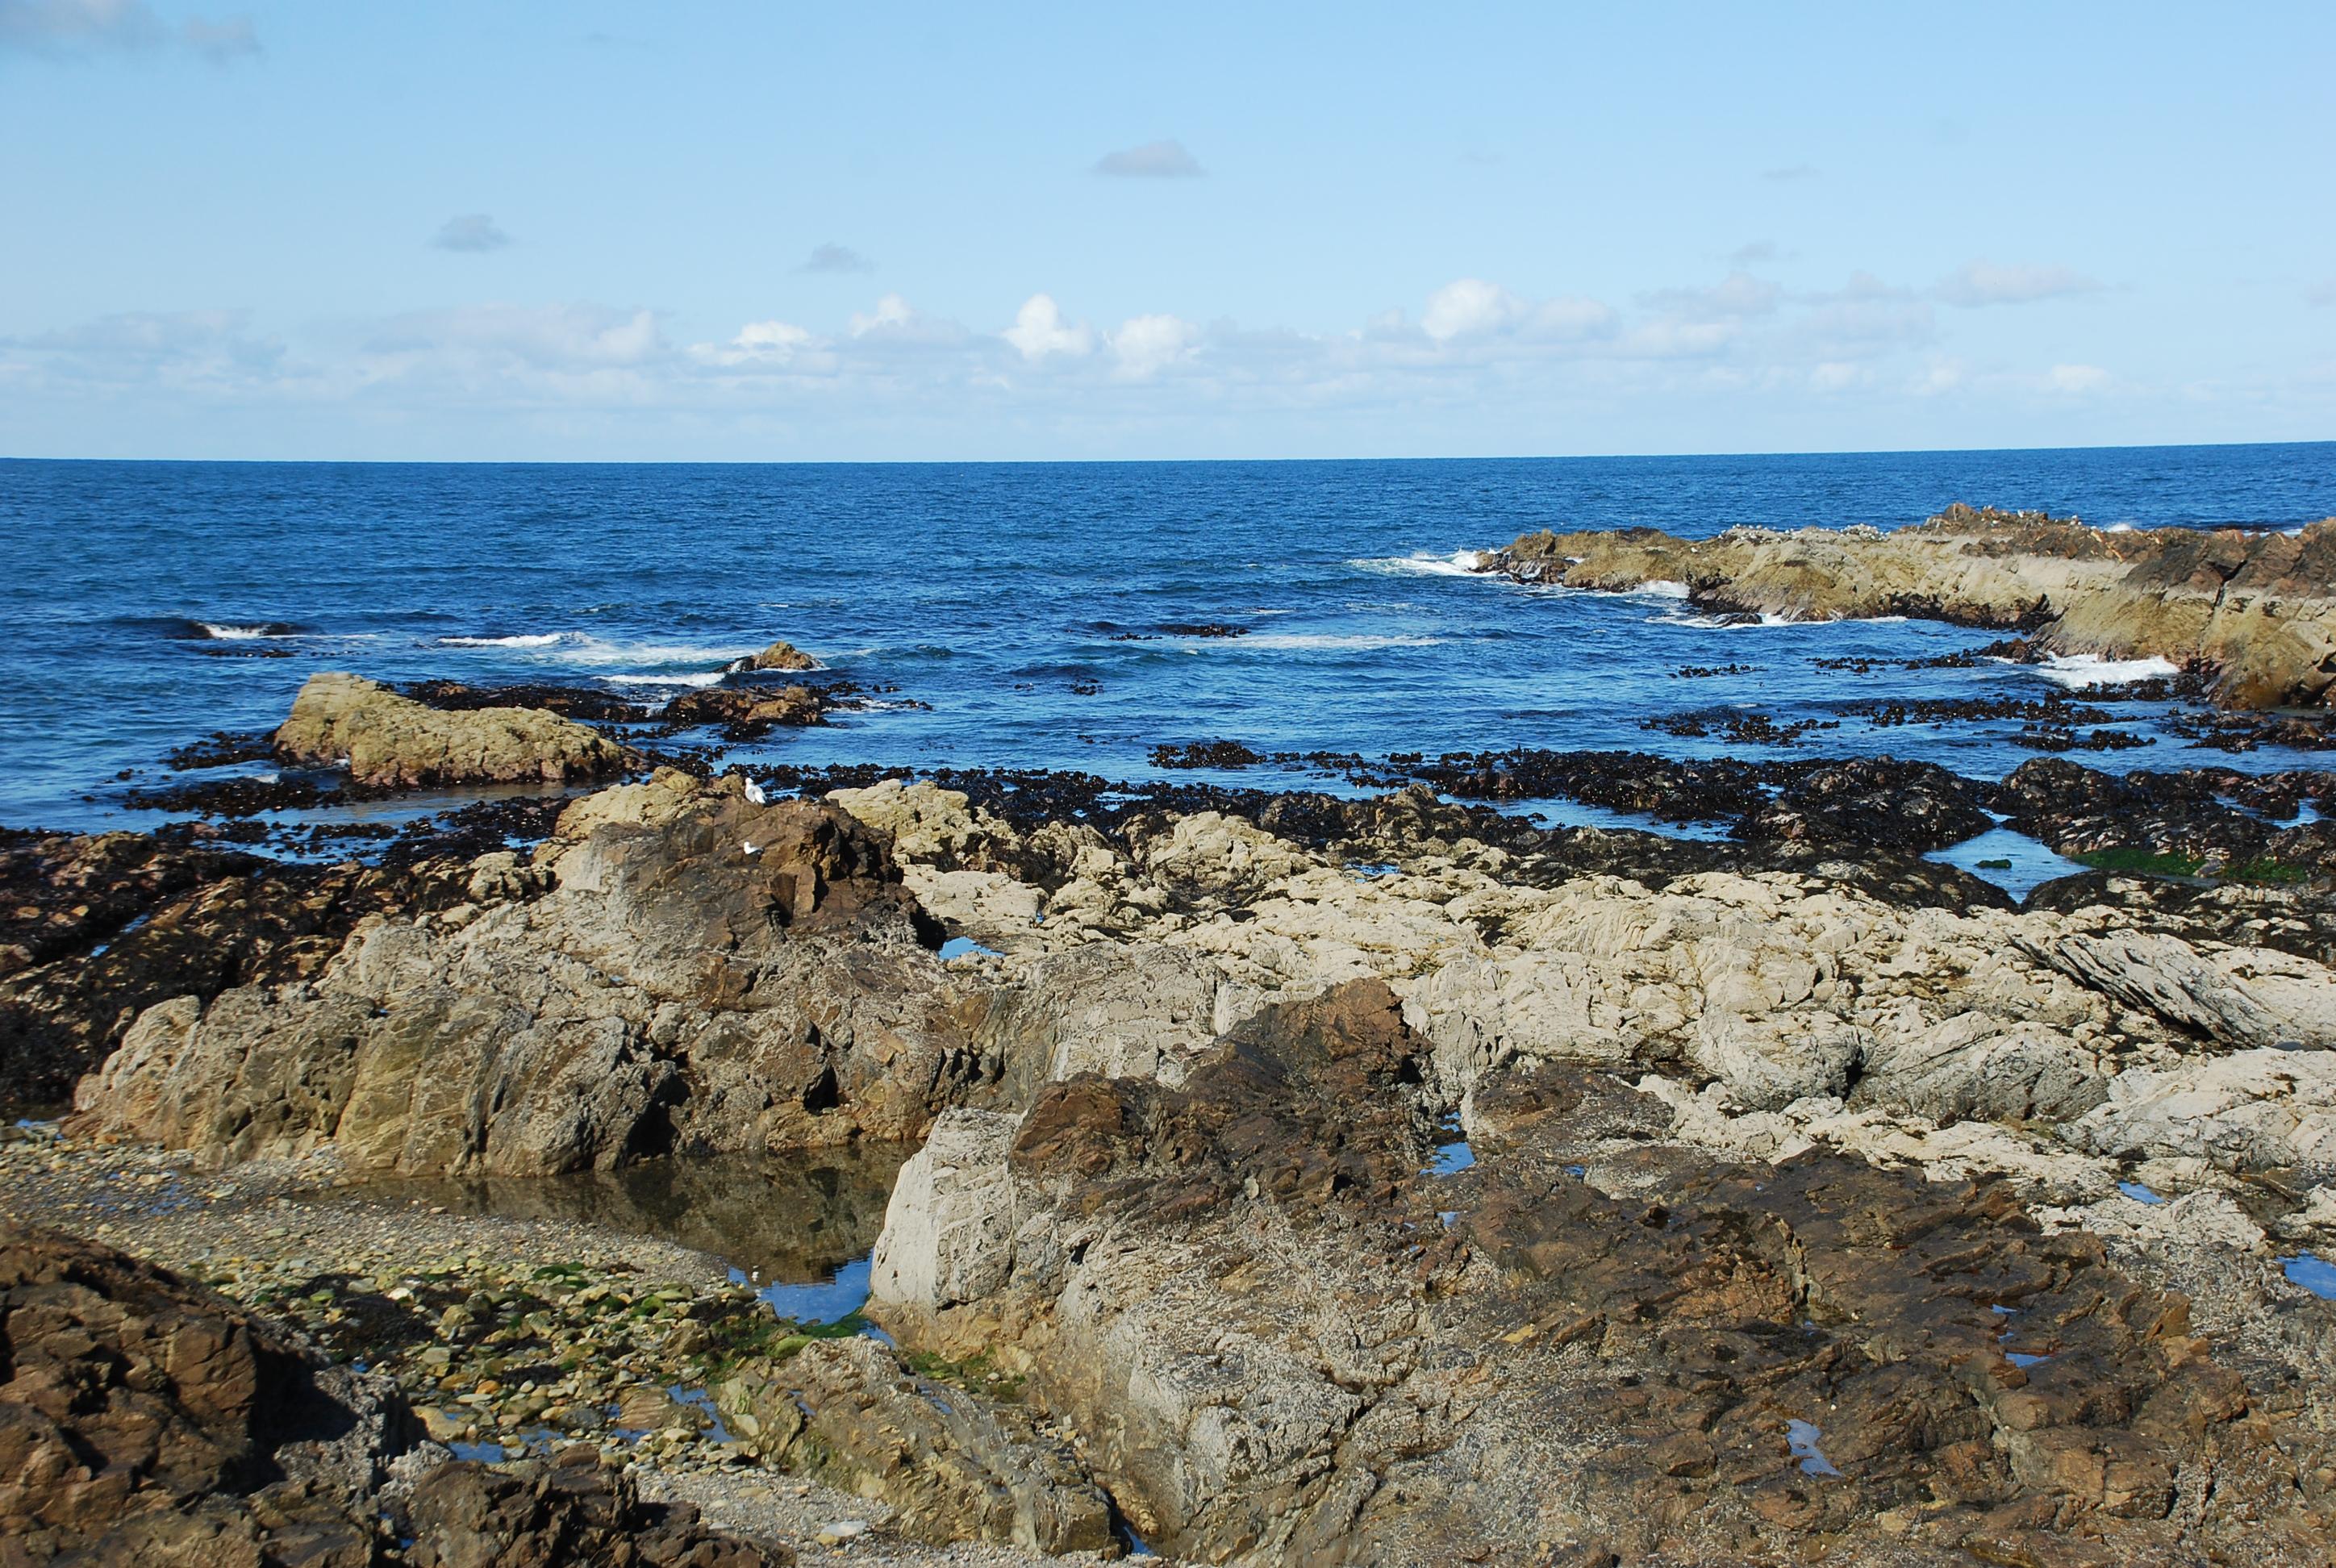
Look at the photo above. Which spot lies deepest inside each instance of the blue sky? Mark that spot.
(735, 232)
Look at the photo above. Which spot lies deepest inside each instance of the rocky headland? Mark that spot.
(1296, 1179)
(2257, 611)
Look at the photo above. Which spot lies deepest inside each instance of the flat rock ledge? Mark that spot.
(394, 741)
(2257, 609)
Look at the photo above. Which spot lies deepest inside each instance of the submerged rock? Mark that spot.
(383, 738)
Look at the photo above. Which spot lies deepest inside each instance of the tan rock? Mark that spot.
(340, 719)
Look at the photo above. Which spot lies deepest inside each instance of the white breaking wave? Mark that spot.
(697, 679)
(1421, 563)
(2078, 670)
(226, 632)
(579, 647)
(1329, 640)
(2118, 528)
(1660, 588)
(1719, 622)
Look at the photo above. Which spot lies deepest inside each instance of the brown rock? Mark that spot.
(780, 655)
(743, 713)
(572, 1509)
(146, 1420)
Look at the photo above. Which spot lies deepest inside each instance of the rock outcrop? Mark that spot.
(144, 1420)
(2256, 609)
(693, 972)
(392, 741)
(102, 928)
(573, 1508)
(952, 1465)
(781, 655)
(743, 712)
(1282, 1340)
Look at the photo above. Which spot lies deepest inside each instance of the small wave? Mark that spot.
(695, 678)
(531, 639)
(1721, 622)
(1310, 640)
(238, 632)
(2119, 527)
(1660, 588)
(2078, 670)
(1422, 563)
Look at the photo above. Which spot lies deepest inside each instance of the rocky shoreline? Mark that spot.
(1295, 1177)
(2255, 611)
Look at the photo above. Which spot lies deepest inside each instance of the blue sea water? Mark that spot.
(1027, 609)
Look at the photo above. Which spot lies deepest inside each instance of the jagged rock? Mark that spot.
(950, 1464)
(1244, 1295)
(2296, 1003)
(175, 923)
(383, 738)
(2259, 609)
(575, 1508)
(145, 1420)
(2255, 1110)
(746, 712)
(780, 655)
(733, 978)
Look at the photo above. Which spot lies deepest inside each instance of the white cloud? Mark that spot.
(1164, 159)
(83, 28)
(1470, 308)
(473, 232)
(2321, 293)
(1040, 332)
(1976, 282)
(1790, 173)
(759, 344)
(1146, 344)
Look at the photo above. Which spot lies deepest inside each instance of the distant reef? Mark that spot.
(2254, 611)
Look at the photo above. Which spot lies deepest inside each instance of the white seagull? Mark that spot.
(754, 795)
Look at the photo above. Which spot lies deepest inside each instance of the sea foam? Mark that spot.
(2080, 670)
(1422, 563)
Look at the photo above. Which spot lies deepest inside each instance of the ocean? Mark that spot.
(1022, 615)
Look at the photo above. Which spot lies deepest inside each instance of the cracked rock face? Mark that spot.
(1282, 1341)
(146, 1420)
(703, 974)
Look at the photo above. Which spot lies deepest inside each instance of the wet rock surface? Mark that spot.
(2257, 609)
